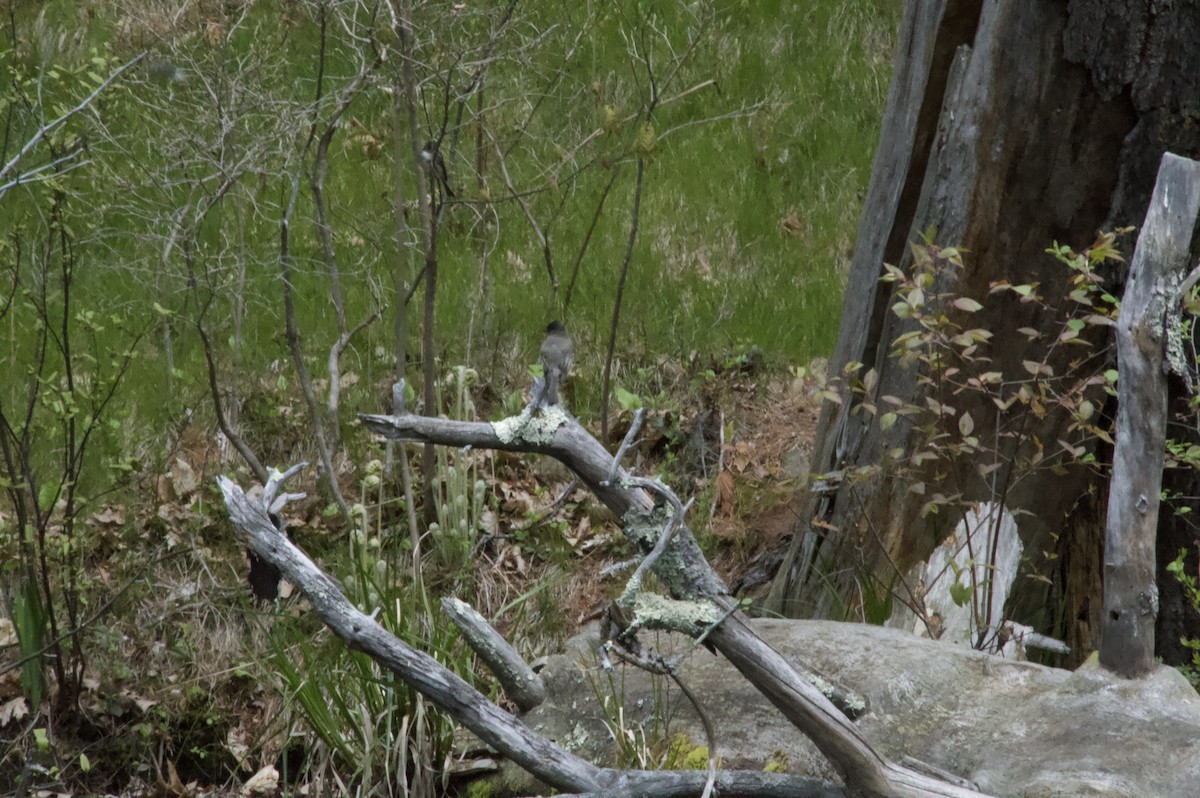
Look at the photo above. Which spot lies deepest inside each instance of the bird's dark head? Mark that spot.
(555, 327)
(430, 148)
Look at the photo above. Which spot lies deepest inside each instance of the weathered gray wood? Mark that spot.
(466, 705)
(928, 36)
(685, 572)
(517, 679)
(1159, 264)
(1046, 134)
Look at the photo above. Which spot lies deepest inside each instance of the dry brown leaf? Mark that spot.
(725, 492)
(264, 782)
(109, 515)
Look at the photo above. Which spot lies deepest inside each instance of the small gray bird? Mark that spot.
(558, 353)
(431, 155)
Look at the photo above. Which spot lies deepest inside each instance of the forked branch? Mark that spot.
(684, 572)
(545, 759)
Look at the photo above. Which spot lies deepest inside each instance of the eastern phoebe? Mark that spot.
(431, 156)
(558, 353)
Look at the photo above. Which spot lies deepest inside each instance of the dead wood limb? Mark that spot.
(517, 679)
(545, 759)
(684, 572)
(1159, 266)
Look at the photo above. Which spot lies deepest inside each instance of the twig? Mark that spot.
(46, 129)
(710, 734)
(587, 238)
(1189, 282)
(606, 385)
(635, 581)
(917, 605)
(712, 507)
(635, 427)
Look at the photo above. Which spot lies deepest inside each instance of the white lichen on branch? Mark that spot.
(655, 611)
(534, 427)
(681, 578)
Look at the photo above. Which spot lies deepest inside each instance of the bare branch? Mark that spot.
(516, 678)
(466, 705)
(48, 128)
(684, 571)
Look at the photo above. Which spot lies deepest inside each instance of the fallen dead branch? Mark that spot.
(698, 605)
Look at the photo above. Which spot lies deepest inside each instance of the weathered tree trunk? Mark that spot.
(1147, 309)
(1009, 127)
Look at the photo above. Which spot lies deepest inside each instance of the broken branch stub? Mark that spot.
(516, 678)
(1159, 264)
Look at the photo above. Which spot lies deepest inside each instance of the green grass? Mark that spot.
(713, 266)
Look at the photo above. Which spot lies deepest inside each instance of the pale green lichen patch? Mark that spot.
(465, 609)
(576, 739)
(533, 427)
(654, 611)
(1175, 349)
(683, 576)
(508, 429)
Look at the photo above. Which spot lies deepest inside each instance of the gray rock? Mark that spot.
(1013, 728)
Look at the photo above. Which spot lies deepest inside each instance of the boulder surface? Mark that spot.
(1013, 728)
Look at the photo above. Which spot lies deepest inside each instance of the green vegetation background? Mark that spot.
(748, 217)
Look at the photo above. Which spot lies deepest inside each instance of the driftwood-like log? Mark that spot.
(1159, 266)
(685, 572)
(545, 759)
(517, 679)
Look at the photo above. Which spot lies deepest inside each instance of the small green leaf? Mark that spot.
(887, 420)
(966, 424)
(960, 593)
(967, 304)
(627, 399)
(85, 764)
(46, 496)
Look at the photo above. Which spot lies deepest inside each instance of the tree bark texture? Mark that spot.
(1160, 262)
(1008, 127)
